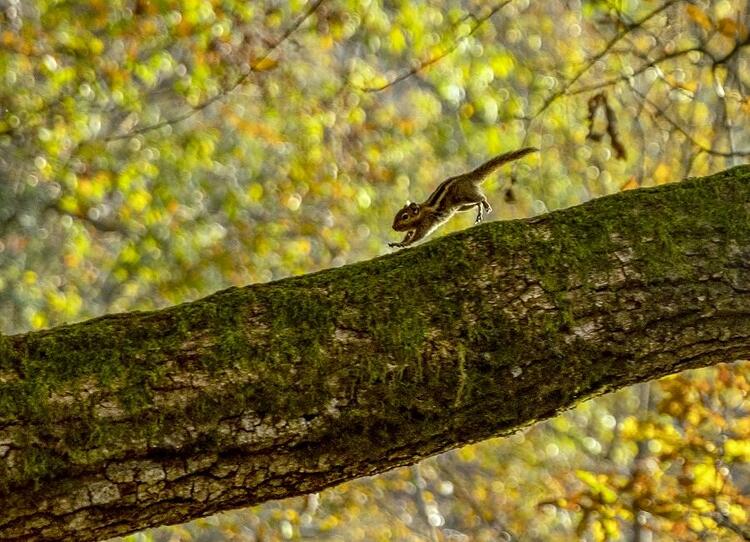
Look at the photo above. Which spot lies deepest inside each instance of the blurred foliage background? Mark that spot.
(154, 151)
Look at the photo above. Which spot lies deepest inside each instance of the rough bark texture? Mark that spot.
(141, 419)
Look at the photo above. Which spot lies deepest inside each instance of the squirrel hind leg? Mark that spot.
(480, 215)
(482, 207)
(486, 205)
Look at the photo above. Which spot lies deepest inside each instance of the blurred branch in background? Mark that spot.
(478, 22)
(700, 147)
(261, 64)
(628, 28)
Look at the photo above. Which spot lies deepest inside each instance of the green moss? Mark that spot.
(462, 376)
(5, 351)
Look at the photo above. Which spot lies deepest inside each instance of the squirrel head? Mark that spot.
(408, 217)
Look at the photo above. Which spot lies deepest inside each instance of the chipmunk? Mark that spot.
(456, 194)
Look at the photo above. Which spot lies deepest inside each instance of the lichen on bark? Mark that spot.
(272, 390)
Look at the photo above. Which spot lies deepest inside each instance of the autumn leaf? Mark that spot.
(699, 16)
(265, 64)
(630, 184)
(731, 28)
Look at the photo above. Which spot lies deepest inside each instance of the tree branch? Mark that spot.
(105, 226)
(627, 77)
(440, 56)
(312, 8)
(727, 523)
(145, 418)
(697, 144)
(739, 44)
(595, 58)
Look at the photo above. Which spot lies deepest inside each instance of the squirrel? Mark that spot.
(455, 194)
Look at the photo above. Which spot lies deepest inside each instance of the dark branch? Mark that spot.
(312, 8)
(626, 77)
(106, 226)
(661, 113)
(737, 47)
(598, 56)
(437, 58)
(726, 522)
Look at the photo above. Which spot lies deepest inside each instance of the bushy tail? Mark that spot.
(479, 174)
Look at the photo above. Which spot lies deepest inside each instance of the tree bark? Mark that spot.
(140, 419)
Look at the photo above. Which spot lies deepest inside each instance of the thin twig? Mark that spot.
(726, 118)
(640, 70)
(727, 523)
(737, 46)
(419, 483)
(700, 146)
(429, 62)
(225, 92)
(609, 45)
(101, 225)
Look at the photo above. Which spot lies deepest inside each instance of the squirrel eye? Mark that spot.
(404, 216)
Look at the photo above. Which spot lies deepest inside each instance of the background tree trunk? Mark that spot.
(273, 390)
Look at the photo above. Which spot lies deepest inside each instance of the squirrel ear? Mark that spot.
(408, 202)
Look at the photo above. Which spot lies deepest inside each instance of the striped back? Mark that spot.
(437, 196)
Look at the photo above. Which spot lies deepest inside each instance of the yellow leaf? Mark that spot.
(630, 427)
(611, 527)
(129, 254)
(695, 524)
(737, 449)
(85, 187)
(705, 479)
(467, 110)
(631, 183)
(7, 37)
(265, 64)
(139, 200)
(731, 28)
(662, 173)
(502, 64)
(598, 532)
(96, 46)
(255, 191)
(71, 260)
(738, 514)
(326, 42)
(38, 320)
(699, 16)
(397, 40)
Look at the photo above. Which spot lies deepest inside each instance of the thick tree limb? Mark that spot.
(272, 390)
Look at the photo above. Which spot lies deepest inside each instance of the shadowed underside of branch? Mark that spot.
(273, 390)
